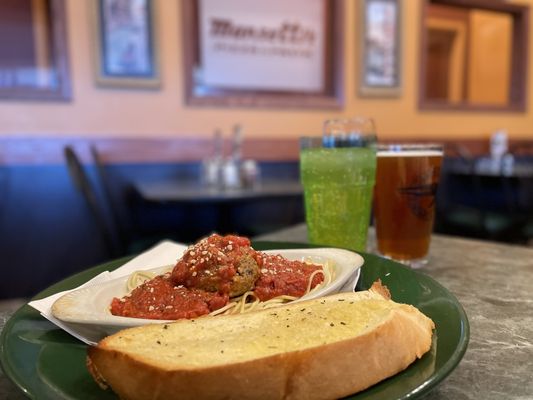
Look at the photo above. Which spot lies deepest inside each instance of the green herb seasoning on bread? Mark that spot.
(317, 349)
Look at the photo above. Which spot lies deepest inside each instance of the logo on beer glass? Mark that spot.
(420, 197)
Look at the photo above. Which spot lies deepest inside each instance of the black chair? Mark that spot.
(130, 235)
(84, 186)
(122, 233)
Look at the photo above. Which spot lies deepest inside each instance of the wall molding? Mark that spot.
(30, 150)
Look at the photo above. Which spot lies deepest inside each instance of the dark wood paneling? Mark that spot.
(42, 151)
(35, 151)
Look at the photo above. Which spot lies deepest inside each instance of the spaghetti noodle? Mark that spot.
(249, 300)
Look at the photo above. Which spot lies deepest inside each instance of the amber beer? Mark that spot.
(404, 201)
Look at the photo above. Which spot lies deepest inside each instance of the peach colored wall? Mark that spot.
(98, 112)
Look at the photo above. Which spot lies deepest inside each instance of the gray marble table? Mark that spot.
(494, 283)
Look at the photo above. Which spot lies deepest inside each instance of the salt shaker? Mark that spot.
(249, 173)
(230, 174)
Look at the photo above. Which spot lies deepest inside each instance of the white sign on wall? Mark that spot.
(266, 45)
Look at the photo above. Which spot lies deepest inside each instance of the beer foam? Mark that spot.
(410, 153)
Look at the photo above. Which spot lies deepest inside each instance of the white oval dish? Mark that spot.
(89, 306)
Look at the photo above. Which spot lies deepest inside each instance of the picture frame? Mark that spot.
(234, 55)
(126, 50)
(380, 48)
(39, 68)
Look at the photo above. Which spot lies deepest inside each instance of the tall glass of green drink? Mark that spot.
(338, 171)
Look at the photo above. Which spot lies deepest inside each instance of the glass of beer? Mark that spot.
(404, 200)
(337, 171)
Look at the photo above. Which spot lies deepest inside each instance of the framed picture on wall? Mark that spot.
(380, 48)
(276, 53)
(126, 49)
(34, 61)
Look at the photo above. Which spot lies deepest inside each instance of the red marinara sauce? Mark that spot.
(208, 273)
(280, 276)
(159, 298)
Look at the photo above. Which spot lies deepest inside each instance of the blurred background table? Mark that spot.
(172, 191)
(263, 207)
(493, 283)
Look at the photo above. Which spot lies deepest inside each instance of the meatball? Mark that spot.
(246, 275)
(224, 264)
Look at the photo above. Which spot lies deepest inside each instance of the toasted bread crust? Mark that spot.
(379, 288)
(100, 381)
(332, 370)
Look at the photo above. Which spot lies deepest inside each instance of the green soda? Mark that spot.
(338, 185)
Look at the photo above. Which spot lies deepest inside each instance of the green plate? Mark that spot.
(47, 363)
